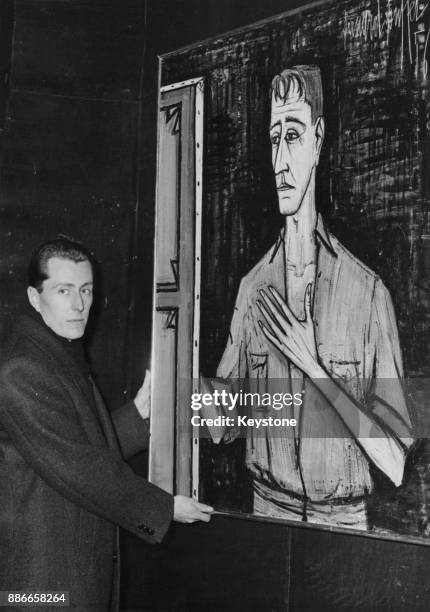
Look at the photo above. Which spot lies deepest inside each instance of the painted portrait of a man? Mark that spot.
(311, 314)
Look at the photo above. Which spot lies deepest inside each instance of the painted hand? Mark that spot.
(294, 338)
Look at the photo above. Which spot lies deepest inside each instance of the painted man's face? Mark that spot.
(67, 294)
(296, 144)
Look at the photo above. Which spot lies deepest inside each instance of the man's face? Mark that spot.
(296, 144)
(67, 294)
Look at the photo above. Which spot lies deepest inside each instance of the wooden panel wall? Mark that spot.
(234, 565)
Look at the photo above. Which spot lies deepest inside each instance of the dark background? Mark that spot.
(78, 93)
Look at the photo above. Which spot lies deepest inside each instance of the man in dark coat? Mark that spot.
(64, 484)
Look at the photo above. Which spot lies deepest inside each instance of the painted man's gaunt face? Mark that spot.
(67, 294)
(295, 150)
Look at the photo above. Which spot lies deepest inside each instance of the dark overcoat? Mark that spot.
(64, 484)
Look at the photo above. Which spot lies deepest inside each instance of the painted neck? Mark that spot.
(300, 231)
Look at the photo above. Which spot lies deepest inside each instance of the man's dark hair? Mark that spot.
(62, 247)
(305, 81)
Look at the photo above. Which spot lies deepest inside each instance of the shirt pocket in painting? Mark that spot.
(346, 369)
(349, 373)
(259, 365)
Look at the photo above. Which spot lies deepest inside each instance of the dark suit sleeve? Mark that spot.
(38, 411)
(132, 431)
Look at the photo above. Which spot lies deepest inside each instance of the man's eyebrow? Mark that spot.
(63, 285)
(288, 119)
(71, 284)
(278, 123)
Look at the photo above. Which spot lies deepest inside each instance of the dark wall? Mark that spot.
(69, 162)
(78, 156)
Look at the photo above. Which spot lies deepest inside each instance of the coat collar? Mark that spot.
(65, 354)
(323, 236)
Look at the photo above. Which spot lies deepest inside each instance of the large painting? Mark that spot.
(291, 342)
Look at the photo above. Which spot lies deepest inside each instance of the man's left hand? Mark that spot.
(294, 338)
(143, 397)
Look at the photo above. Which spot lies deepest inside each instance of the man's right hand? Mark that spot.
(187, 510)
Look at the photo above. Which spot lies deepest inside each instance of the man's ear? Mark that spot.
(34, 297)
(319, 138)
